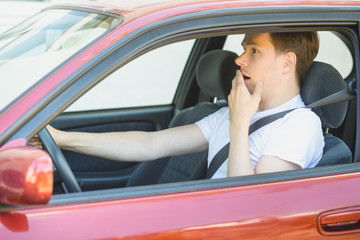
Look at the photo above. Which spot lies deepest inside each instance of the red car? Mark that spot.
(101, 66)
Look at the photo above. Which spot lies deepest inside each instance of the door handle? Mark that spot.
(340, 221)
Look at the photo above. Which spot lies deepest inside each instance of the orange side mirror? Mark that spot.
(26, 174)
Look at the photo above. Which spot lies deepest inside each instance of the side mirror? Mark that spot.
(26, 174)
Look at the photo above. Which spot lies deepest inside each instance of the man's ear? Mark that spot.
(289, 63)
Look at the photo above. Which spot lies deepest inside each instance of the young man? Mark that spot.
(271, 70)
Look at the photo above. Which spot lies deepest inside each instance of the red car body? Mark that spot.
(318, 206)
(208, 214)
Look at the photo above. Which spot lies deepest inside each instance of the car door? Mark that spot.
(300, 204)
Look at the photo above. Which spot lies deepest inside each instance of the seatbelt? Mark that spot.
(344, 95)
(222, 155)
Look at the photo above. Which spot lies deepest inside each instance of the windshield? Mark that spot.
(36, 46)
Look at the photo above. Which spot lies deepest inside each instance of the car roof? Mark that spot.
(142, 7)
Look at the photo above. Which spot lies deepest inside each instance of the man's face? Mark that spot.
(260, 62)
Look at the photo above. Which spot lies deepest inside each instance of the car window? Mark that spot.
(151, 79)
(332, 50)
(32, 49)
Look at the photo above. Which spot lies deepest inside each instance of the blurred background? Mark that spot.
(14, 11)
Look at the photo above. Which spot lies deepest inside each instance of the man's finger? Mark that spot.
(239, 77)
(234, 81)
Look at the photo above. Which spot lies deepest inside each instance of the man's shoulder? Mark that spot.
(302, 112)
(303, 116)
(222, 112)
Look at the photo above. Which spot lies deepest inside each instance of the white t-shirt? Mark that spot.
(297, 137)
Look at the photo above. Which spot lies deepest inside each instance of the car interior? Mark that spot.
(209, 70)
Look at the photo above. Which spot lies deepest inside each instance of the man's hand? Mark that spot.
(242, 104)
(35, 142)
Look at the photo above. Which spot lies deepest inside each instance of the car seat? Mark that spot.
(321, 81)
(214, 73)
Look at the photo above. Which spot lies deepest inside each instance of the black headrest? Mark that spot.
(321, 81)
(215, 71)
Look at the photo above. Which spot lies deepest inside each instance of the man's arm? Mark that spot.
(274, 164)
(239, 159)
(134, 146)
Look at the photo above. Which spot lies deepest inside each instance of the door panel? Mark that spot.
(226, 210)
(98, 173)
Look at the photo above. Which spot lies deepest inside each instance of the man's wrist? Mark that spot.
(237, 128)
(240, 124)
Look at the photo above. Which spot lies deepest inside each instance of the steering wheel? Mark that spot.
(59, 160)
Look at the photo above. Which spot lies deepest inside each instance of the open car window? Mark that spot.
(152, 80)
(332, 50)
(149, 80)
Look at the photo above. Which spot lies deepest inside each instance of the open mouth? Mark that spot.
(245, 76)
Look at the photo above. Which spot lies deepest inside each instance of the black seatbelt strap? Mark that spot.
(222, 155)
(340, 96)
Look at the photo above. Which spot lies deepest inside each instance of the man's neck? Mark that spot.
(278, 98)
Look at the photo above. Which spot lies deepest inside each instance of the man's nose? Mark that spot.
(241, 61)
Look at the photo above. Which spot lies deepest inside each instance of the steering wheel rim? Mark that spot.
(60, 162)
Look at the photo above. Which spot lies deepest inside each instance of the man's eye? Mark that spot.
(253, 51)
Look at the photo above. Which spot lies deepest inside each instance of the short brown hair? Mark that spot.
(304, 44)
